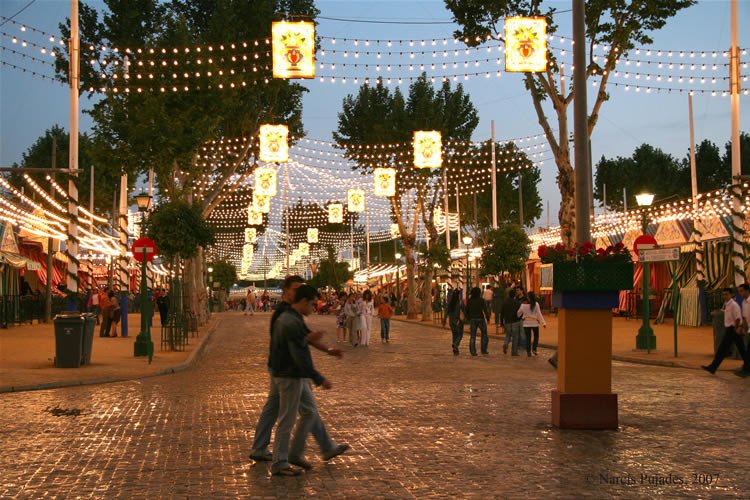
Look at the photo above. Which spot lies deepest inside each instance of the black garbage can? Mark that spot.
(88, 338)
(69, 335)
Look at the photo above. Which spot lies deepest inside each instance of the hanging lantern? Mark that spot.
(428, 149)
(296, 254)
(385, 181)
(274, 143)
(261, 203)
(254, 218)
(437, 217)
(251, 235)
(526, 44)
(312, 234)
(395, 232)
(293, 46)
(356, 200)
(335, 213)
(265, 181)
(304, 249)
(247, 251)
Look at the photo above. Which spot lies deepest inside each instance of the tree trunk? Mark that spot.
(427, 293)
(566, 183)
(411, 285)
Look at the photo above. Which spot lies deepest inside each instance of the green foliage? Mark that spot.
(508, 155)
(331, 273)
(106, 174)
(437, 254)
(650, 169)
(224, 272)
(507, 250)
(178, 230)
(165, 130)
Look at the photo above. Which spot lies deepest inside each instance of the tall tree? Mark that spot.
(665, 178)
(744, 155)
(163, 100)
(39, 155)
(378, 116)
(514, 165)
(617, 24)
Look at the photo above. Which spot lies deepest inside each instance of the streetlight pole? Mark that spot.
(645, 338)
(398, 278)
(467, 242)
(143, 344)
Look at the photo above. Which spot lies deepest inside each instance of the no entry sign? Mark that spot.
(142, 244)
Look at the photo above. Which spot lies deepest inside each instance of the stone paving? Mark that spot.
(421, 423)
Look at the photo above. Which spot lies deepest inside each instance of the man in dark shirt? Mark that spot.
(511, 323)
(307, 406)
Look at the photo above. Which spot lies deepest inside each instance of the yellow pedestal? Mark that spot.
(584, 398)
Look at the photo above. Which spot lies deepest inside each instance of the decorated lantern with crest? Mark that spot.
(525, 44)
(274, 145)
(385, 181)
(293, 46)
(428, 149)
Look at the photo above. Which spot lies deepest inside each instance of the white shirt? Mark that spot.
(746, 310)
(732, 313)
(531, 318)
(487, 295)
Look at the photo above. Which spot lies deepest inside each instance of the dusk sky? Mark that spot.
(30, 105)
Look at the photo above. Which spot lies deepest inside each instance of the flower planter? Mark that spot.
(592, 276)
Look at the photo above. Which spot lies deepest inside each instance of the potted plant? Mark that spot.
(584, 268)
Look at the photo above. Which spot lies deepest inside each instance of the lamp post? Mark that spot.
(398, 279)
(143, 344)
(210, 289)
(645, 338)
(467, 241)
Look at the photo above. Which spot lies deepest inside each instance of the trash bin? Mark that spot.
(69, 335)
(88, 338)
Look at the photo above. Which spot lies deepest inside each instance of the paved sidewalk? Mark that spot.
(421, 423)
(27, 355)
(695, 344)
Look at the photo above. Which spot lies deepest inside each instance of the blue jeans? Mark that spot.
(270, 414)
(457, 329)
(290, 391)
(513, 334)
(385, 328)
(482, 325)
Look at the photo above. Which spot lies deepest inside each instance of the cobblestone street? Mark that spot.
(420, 422)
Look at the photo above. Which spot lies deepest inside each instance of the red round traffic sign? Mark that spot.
(141, 245)
(644, 239)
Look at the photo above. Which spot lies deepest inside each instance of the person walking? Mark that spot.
(368, 309)
(531, 314)
(745, 308)
(732, 334)
(270, 412)
(477, 313)
(341, 318)
(162, 303)
(115, 312)
(106, 305)
(487, 297)
(250, 302)
(455, 313)
(385, 311)
(511, 323)
(352, 312)
(498, 298)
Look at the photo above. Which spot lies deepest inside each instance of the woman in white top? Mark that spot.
(532, 317)
(367, 311)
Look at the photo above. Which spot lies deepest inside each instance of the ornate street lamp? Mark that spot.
(143, 344)
(645, 338)
(468, 241)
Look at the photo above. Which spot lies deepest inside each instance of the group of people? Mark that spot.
(736, 327)
(354, 313)
(105, 302)
(254, 302)
(292, 373)
(520, 316)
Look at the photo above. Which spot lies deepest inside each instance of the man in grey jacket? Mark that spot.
(291, 366)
